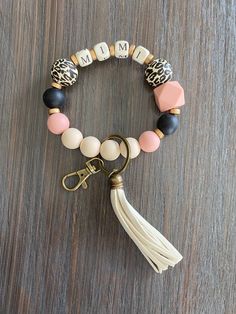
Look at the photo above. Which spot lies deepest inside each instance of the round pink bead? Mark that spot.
(149, 141)
(58, 123)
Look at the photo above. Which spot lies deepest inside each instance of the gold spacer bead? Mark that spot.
(74, 59)
(93, 54)
(175, 111)
(149, 59)
(53, 110)
(159, 133)
(131, 49)
(112, 50)
(56, 85)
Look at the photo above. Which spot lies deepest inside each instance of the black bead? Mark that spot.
(54, 98)
(167, 123)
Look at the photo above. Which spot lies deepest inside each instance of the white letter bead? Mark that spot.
(134, 148)
(121, 49)
(110, 150)
(84, 57)
(140, 54)
(102, 51)
(71, 138)
(90, 146)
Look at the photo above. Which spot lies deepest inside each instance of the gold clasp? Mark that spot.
(83, 174)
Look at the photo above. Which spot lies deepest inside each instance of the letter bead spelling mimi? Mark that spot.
(169, 97)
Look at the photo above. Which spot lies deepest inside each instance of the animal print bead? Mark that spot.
(158, 72)
(64, 72)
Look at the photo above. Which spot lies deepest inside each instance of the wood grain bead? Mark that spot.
(74, 60)
(102, 51)
(121, 49)
(175, 111)
(84, 57)
(90, 146)
(56, 85)
(112, 50)
(110, 150)
(149, 59)
(131, 50)
(159, 133)
(53, 110)
(134, 148)
(140, 54)
(93, 54)
(71, 138)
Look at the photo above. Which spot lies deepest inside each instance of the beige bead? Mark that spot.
(53, 110)
(140, 54)
(93, 54)
(112, 50)
(56, 85)
(134, 148)
(74, 60)
(149, 59)
(90, 146)
(102, 51)
(71, 138)
(131, 50)
(121, 49)
(110, 150)
(175, 111)
(84, 57)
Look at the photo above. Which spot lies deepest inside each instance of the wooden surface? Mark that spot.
(66, 252)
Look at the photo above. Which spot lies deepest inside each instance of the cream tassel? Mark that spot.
(158, 251)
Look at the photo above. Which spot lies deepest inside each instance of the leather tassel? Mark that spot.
(158, 251)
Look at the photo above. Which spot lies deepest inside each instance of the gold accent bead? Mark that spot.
(112, 50)
(159, 133)
(93, 54)
(175, 111)
(53, 110)
(149, 59)
(56, 85)
(131, 50)
(74, 59)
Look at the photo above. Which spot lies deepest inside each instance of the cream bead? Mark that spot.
(84, 57)
(134, 148)
(90, 146)
(102, 51)
(121, 49)
(110, 150)
(140, 54)
(71, 138)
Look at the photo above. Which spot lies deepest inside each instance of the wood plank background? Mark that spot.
(66, 252)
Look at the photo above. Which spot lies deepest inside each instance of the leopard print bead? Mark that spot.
(64, 72)
(158, 72)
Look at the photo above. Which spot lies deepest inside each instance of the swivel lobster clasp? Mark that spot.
(83, 174)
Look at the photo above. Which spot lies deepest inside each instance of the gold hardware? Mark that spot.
(83, 174)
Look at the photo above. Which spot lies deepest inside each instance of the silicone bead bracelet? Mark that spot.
(169, 97)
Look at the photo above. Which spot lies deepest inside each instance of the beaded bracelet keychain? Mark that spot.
(169, 96)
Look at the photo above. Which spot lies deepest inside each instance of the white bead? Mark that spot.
(121, 49)
(102, 51)
(134, 148)
(90, 146)
(110, 150)
(71, 138)
(140, 54)
(84, 57)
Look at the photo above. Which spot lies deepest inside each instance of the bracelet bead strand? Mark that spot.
(169, 97)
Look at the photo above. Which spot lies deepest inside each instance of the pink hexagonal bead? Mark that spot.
(57, 123)
(169, 95)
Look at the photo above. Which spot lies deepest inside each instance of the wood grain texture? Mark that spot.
(66, 252)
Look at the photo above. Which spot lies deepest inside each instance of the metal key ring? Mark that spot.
(108, 172)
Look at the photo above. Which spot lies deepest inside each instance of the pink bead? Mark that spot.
(58, 123)
(149, 141)
(169, 95)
